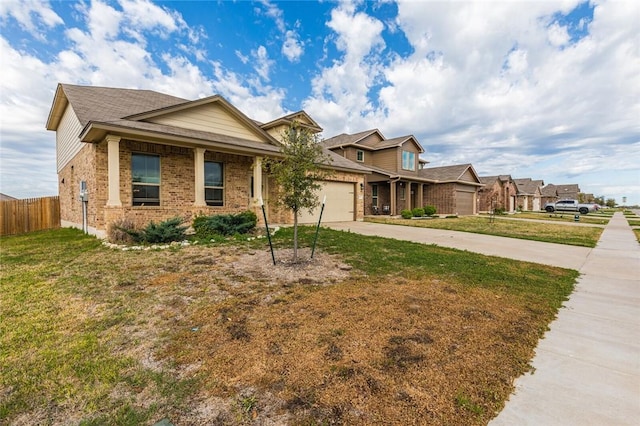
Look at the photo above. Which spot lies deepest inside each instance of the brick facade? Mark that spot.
(442, 196)
(177, 187)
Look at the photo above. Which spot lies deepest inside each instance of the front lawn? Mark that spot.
(585, 236)
(372, 331)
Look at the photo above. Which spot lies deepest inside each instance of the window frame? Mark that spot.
(374, 194)
(360, 156)
(409, 163)
(214, 202)
(145, 201)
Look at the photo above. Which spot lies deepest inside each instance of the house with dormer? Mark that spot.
(399, 179)
(148, 156)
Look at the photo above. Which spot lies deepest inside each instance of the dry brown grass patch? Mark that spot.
(363, 352)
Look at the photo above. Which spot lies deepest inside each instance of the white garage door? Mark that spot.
(338, 207)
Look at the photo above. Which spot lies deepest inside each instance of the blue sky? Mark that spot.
(543, 89)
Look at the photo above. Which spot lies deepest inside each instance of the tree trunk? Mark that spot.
(295, 236)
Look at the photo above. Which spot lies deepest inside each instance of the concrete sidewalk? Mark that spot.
(587, 367)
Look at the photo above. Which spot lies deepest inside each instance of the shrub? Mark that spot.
(118, 231)
(225, 224)
(417, 212)
(163, 232)
(498, 211)
(406, 214)
(429, 210)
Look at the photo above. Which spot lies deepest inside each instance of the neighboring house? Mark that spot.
(146, 156)
(453, 189)
(552, 193)
(529, 195)
(5, 197)
(398, 180)
(498, 192)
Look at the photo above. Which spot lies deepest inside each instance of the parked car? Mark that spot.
(571, 206)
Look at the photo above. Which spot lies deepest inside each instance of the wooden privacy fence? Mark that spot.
(30, 214)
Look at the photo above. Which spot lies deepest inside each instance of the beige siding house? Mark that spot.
(399, 180)
(146, 156)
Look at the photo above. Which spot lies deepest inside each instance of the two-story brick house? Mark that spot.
(399, 180)
(146, 156)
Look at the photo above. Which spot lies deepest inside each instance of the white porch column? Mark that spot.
(257, 179)
(420, 195)
(199, 178)
(113, 167)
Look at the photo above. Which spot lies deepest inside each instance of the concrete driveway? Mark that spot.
(587, 366)
(571, 257)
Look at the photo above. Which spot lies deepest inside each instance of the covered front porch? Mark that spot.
(389, 196)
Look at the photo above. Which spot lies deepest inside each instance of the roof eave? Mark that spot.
(58, 107)
(95, 132)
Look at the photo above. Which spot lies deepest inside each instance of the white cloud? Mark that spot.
(292, 47)
(558, 35)
(262, 62)
(340, 93)
(30, 14)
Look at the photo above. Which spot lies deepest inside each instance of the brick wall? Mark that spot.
(280, 215)
(490, 197)
(442, 196)
(80, 168)
(177, 187)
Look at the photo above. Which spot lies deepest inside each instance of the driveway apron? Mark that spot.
(586, 370)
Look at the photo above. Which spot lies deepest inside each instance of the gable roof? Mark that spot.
(357, 139)
(300, 116)
(102, 110)
(453, 173)
(527, 186)
(345, 139)
(5, 197)
(92, 103)
(490, 179)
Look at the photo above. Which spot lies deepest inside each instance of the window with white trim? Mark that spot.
(408, 160)
(360, 155)
(214, 183)
(145, 179)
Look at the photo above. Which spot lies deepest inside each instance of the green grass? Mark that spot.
(70, 310)
(377, 256)
(591, 218)
(52, 354)
(584, 236)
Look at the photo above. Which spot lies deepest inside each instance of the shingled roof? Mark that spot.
(527, 186)
(102, 109)
(104, 104)
(358, 139)
(453, 173)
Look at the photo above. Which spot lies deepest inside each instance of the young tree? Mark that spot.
(297, 173)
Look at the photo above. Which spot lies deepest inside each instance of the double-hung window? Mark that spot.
(214, 183)
(374, 195)
(145, 177)
(360, 155)
(408, 160)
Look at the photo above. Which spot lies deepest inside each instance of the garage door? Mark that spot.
(338, 207)
(464, 202)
